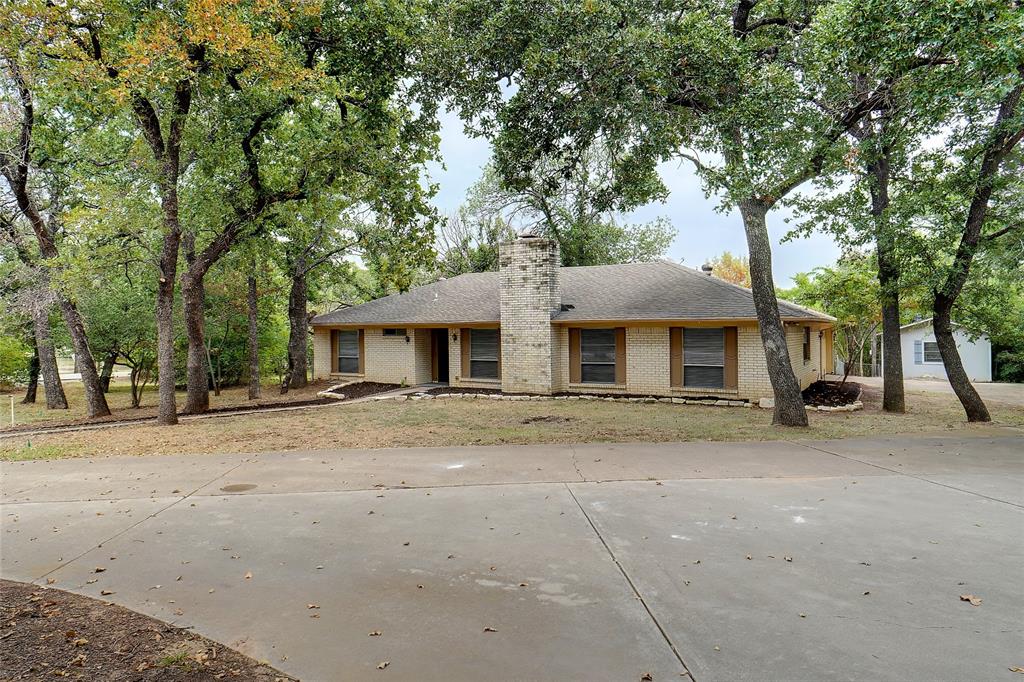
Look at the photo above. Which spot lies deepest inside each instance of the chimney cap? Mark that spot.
(707, 268)
(528, 233)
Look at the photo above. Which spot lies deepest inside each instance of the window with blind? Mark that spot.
(931, 352)
(704, 358)
(483, 354)
(807, 344)
(597, 356)
(348, 351)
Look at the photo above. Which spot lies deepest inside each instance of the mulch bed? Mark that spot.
(829, 393)
(361, 390)
(442, 390)
(47, 633)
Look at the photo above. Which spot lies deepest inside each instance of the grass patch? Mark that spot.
(19, 453)
(179, 658)
(489, 422)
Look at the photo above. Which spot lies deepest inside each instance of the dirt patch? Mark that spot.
(49, 634)
(548, 419)
(361, 390)
(831, 393)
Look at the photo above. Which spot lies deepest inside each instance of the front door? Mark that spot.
(439, 354)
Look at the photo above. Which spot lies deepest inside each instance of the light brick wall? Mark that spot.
(647, 360)
(530, 294)
(387, 359)
(753, 370)
(753, 380)
(806, 372)
(647, 364)
(321, 353)
(423, 368)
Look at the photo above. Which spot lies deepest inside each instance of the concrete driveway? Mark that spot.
(785, 560)
(1012, 394)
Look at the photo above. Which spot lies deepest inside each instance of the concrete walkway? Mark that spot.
(786, 560)
(1012, 394)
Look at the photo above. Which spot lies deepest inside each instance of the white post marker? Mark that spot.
(12, 409)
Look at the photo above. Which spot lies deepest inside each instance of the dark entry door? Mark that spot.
(439, 354)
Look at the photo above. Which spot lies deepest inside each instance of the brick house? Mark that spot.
(536, 327)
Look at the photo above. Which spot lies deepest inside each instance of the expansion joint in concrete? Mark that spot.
(632, 585)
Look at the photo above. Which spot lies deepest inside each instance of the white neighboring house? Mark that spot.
(921, 354)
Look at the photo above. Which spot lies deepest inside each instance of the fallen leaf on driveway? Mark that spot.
(646, 677)
(98, 569)
(1017, 669)
(490, 629)
(248, 575)
(106, 592)
(975, 601)
(312, 606)
(788, 558)
(383, 664)
(374, 633)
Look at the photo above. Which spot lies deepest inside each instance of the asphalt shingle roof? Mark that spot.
(632, 291)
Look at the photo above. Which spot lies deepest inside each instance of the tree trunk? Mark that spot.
(33, 376)
(789, 404)
(168, 411)
(298, 327)
(254, 340)
(136, 394)
(107, 370)
(193, 296)
(55, 398)
(96, 402)
(889, 283)
(942, 325)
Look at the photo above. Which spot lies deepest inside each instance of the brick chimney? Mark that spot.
(530, 295)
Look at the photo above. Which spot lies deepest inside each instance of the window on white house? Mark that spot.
(807, 345)
(348, 351)
(483, 353)
(597, 356)
(931, 352)
(704, 357)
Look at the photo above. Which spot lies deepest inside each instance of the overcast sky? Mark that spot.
(702, 232)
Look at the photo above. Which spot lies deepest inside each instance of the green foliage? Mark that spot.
(14, 358)
(849, 292)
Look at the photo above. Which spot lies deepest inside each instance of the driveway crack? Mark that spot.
(576, 464)
(632, 585)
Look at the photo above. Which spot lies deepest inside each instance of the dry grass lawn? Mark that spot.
(120, 398)
(487, 422)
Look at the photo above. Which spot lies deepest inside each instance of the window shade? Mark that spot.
(348, 351)
(704, 346)
(704, 358)
(483, 353)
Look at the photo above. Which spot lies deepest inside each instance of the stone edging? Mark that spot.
(766, 403)
(329, 391)
(537, 398)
